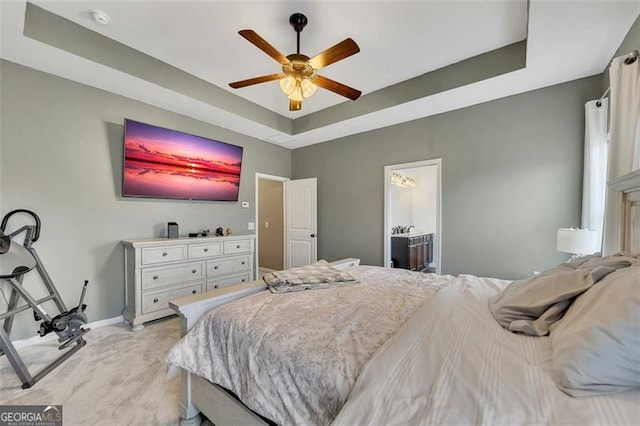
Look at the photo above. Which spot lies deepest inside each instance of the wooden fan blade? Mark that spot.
(255, 80)
(342, 50)
(335, 87)
(263, 45)
(295, 105)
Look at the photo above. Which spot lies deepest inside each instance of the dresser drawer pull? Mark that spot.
(215, 286)
(155, 300)
(237, 246)
(243, 280)
(193, 271)
(194, 291)
(243, 262)
(155, 277)
(206, 250)
(215, 267)
(164, 253)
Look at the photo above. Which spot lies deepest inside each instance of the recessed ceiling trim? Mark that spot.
(61, 33)
(552, 33)
(481, 67)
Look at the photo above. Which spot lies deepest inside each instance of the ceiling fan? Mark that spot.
(298, 78)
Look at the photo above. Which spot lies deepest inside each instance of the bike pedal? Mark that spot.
(74, 339)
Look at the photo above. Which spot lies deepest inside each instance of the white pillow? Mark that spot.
(596, 345)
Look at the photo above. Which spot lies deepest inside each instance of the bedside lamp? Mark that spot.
(577, 241)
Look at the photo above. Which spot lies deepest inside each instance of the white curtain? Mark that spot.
(624, 146)
(594, 183)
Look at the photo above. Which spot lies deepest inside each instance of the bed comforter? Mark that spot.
(453, 364)
(294, 357)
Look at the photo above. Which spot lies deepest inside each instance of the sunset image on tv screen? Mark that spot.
(164, 163)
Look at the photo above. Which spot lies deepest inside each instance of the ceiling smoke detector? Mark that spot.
(100, 17)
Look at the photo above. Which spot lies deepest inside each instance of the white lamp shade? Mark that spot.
(577, 241)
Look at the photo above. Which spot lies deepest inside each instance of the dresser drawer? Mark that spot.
(155, 301)
(155, 255)
(160, 269)
(240, 246)
(198, 251)
(228, 266)
(168, 275)
(227, 281)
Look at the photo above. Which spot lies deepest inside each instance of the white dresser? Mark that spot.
(160, 269)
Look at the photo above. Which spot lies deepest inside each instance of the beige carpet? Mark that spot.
(118, 378)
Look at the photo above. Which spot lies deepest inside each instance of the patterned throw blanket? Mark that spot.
(293, 357)
(315, 276)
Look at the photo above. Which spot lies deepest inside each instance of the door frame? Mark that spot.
(257, 223)
(387, 206)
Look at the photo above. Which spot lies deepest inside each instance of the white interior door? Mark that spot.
(301, 239)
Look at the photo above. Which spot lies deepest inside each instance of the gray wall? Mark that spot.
(512, 175)
(62, 157)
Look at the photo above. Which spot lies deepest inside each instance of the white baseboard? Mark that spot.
(53, 336)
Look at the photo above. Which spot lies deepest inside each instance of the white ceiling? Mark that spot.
(398, 40)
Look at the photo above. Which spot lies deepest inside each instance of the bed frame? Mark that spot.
(198, 394)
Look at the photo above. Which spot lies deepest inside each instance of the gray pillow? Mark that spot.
(596, 345)
(530, 306)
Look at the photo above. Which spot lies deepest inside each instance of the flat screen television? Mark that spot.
(165, 163)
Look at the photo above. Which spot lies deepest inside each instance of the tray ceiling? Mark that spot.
(417, 58)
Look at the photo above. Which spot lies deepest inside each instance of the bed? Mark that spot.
(443, 360)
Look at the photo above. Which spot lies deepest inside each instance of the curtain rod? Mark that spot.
(604, 95)
(630, 59)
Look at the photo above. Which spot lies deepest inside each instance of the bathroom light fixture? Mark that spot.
(402, 180)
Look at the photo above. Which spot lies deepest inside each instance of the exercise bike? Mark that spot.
(15, 261)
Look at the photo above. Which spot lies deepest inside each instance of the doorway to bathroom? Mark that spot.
(412, 218)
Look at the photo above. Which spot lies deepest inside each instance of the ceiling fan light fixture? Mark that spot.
(308, 87)
(298, 78)
(296, 94)
(287, 84)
